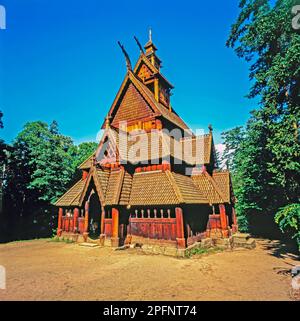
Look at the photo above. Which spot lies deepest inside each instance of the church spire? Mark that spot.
(150, 52)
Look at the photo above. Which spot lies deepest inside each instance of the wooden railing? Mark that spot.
(68, 224)
(153, 228)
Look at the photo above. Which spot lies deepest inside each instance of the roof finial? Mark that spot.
(210, 128)
(150, 34)
(128, 62)
(107, 121)
(138, 43)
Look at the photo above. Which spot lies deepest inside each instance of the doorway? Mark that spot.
(94, 217)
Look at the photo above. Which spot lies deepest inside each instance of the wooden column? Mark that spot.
(115, 228)
(86, 222)
(59, 224)
(156, 90)
(75, 219)
(102, 235)
(102, 221)
(179, 228)
(234, 221)
(223, 220)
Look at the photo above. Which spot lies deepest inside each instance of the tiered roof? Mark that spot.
(158, 187)
(118, 186)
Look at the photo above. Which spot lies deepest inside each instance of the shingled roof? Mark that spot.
(216, 187)
(197, 150)
(222, 179)
(145, 146)
(147, 96)
(72, 196)
(164, 188)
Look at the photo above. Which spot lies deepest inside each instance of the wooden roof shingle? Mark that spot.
(72, 196)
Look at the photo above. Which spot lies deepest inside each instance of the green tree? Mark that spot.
(81, 152)
(267, 161)
(288, 219)
(52, 164)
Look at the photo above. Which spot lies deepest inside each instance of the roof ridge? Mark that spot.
(215, 185)
(162, 111)
(99, 188)
(174, 186)
(143, 88)
(119, 186)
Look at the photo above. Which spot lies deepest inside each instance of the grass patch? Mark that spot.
(202, 251)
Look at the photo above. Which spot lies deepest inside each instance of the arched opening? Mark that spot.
(94, 217)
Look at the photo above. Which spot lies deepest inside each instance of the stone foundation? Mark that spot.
(169, 248)
(243, 240)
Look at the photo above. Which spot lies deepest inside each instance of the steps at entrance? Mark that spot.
(86, 244)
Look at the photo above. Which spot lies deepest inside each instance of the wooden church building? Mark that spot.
(151, 179)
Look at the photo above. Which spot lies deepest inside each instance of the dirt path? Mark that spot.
(41, 270)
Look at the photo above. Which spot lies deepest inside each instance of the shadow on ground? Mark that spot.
(282, 248)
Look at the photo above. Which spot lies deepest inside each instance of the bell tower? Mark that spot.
(151, 52)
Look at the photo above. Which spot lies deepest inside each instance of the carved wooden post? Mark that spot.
(234, 221)
(75, 218)
(115, 228)
(102, 221)
(86, 222)
(59, 225)
(102, 227)
(179, 228)
(223, 220)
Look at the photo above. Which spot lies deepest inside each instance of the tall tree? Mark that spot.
(264, 37)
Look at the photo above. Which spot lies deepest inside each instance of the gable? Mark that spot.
(144, 72)
(132, 107)
(107, 151)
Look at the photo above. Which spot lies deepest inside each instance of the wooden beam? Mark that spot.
(86, 221)
(179, 228)
(223, 218)
(59, 224)
(115, 228)
(75, 218)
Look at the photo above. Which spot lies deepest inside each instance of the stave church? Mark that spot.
(151, 180)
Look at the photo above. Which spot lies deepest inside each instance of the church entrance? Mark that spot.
(94, 217)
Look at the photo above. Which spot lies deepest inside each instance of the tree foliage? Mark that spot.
(288, 219)
(265, 154)
(41, 165)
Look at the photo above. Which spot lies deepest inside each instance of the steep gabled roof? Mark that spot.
(132, 107)
(158, 110)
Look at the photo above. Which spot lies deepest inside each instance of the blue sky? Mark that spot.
(60, 60)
